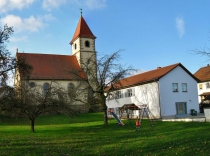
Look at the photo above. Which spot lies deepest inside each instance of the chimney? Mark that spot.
(158, 67)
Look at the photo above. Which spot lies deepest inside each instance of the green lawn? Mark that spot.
(86, 135)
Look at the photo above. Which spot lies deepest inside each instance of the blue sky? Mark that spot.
(151, 33)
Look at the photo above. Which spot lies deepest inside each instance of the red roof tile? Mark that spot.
(82, 30)
(49, 66)
(203, 74)
(150, 76)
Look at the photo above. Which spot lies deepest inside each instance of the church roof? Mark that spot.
(203, 74)
(151, 76)
(82, 30)
(51, 67)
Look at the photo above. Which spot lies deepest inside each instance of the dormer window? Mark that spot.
(75, 46)
(87, 44)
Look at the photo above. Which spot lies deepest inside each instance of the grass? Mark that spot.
(86, 135)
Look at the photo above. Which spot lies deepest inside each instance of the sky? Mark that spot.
(150, 33)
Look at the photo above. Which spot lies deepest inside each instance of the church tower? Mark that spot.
(83, 43)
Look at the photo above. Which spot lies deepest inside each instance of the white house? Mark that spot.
(203, 74)
(168, 91)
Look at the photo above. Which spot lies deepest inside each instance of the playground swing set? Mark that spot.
(143, 112)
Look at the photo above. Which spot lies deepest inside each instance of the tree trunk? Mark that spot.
(32, 125)
(105, 110)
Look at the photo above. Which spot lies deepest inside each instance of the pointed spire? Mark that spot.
(81, 11)
(82, 30)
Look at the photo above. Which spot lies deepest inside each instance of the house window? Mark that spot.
(200, 86)
(31, 84)
(175, 87)
(207, 85)
(118, 94)
(87, 44)
(129, 92)
(184, 87)
(46, 88)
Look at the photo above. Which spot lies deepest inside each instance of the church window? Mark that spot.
(70, 86)
(31, 84)
(75, 46)
(46, 88)
(87, 44)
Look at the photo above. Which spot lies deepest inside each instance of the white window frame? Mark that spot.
(184, 87)
(130, 92)
(119, 94)
(175, 87)
(207, 85)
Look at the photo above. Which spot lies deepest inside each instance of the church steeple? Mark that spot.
(83, 42)
(82, 30)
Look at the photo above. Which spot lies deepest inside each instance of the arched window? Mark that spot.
(75, 46)
(31, 84)
(87, 44)
(46, 88)
(70, 86)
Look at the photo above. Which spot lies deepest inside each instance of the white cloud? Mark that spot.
(95, 4)
(18, 39)
(180, 26)
(7, 5)
(31, 24)
(49, 4)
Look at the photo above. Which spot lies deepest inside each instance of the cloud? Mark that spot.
(31, 24)
(95, 4)
(180, 26)
(49, 4)
(18, 39)
(7, 5)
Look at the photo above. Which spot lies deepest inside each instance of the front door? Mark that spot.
(181, 108)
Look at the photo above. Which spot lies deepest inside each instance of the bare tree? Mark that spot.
(31, 102)
(7, 62)
(102, 78)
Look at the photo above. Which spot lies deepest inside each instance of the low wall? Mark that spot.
(207, 114)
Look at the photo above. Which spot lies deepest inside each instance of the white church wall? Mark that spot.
(63, 84)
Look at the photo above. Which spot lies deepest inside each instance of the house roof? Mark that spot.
(49, 66)
(203, 74)
(152, 75)
(82, 30)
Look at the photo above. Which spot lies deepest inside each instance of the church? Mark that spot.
(55, 67)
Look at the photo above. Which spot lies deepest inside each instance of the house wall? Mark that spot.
(143, 94)
(202, 88)
(168, 98)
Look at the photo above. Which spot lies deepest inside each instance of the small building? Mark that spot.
(167, 91)
(203, 74)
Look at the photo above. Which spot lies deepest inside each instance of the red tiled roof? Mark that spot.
(49, 66)
(203, 74)
(82, 30)
(150, 76)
